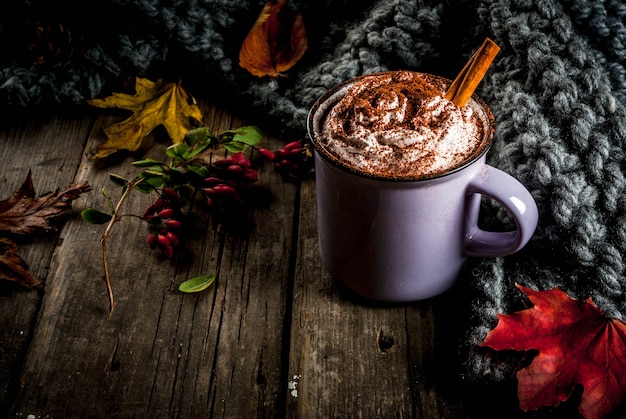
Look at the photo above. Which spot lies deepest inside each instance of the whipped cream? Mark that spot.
(399, 124)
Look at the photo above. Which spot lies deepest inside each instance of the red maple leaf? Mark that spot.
(577, 344)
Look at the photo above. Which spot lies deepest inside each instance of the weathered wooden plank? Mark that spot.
(243, 331)
(433, 357)
(74, 345)
(347, 359)
(353, 359)
(51, 149)
(231, 336)
(273, 337)
(162, 353)
(438, 349)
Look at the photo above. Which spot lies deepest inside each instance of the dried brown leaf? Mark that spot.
(23, 213)
(12, 267)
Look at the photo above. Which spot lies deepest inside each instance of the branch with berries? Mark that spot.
(224, 188)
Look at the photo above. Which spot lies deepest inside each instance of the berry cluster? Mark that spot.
(293, 160)
(228, 187)
(164, 219)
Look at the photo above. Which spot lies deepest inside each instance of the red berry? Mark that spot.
(173, 224)
(168, 252)
(292, 145)
(173, 238)
(244, 163)
(233, 168)
(224, 189)
(267, 153)
(163, 241)
(213, 180)
(250, 175)
(149, 211)
(166, 213)
(152, 240)
(226, 162)
(171, 193)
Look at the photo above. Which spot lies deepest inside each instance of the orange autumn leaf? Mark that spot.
(153, 104)
(577, 344)
(276, 42)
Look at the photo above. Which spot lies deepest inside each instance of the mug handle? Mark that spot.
(520, 204)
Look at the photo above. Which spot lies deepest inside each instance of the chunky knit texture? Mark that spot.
(557, 90)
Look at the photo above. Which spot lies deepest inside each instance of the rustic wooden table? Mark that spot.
(273, 337)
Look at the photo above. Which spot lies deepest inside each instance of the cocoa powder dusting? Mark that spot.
(399, 124)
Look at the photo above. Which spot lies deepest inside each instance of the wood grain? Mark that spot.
(273, 337)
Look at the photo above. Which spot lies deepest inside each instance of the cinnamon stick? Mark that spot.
(462, 88)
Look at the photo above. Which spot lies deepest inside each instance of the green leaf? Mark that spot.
(118, 180)
(150, 183)
(197, 284)
(151, 180)
(149, 163)
(153, 173)
(197, 149)
(199, 135)
(201, 171)
(94, 216)
(177, 151)
(249, 135)
(156, 181)
(239, 139)
(144, 187)
(109, 200)
(235, 147)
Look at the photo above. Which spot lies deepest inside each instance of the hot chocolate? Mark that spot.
(399, 125)
(400, 173)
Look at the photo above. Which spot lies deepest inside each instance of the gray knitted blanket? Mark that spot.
(557, 90)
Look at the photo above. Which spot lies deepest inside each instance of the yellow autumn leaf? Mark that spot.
(153, 104)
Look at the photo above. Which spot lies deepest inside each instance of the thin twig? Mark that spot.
(114, 218)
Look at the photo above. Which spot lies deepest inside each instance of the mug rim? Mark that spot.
(337, 162)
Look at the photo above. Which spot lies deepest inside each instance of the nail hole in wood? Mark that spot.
(385, 342)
